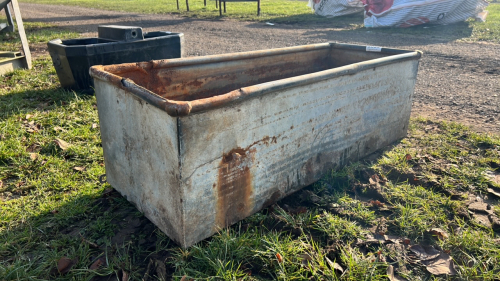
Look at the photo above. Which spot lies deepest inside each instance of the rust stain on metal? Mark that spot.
(234, 188)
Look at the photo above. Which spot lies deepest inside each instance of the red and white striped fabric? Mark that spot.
(335, 8)
(406, 13)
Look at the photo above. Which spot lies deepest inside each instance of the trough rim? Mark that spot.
(183, 108)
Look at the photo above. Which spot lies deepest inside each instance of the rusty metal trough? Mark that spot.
(200, 143)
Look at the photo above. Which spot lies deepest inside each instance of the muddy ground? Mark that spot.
(456, 81)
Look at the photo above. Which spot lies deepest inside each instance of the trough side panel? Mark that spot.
(238, 159)
(141, 156)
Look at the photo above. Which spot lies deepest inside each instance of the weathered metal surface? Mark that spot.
(195, 158)
(10, 61)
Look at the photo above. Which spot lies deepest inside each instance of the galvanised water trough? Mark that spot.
(200, 143)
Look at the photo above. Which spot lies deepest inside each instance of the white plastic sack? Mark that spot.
(335, 8)
(406, 13)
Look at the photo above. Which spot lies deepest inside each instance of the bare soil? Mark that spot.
(456, 82)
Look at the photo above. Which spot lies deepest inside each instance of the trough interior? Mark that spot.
(86, 41)
(188, 82)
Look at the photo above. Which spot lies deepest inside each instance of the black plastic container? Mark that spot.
(72, 58)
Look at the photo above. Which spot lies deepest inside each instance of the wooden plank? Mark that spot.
(22, 34)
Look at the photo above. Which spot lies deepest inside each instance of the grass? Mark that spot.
(297, 12)
(36, 33)
(53, 207)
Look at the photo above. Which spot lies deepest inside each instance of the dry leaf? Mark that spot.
(494, 191)
(91, 244)
(65, 264)
(61, 144)
(305, 258)
(480, 207)
(28, 116)
(482, 219)
(408, 157)
(279, 257)
(374, 179)
(441, 265)
(311, 196)
(33, 148)
(97, 263)
(392, 276)
(57, 128)
(125, 276)
(424, 253)
(161, 270)
(79, 169)
(441, 234)
(94, 126)
(185, 278)
(380, 257)
(33, 156)
(392, 238)
(376, 203)
(107, 191)
(335, 266)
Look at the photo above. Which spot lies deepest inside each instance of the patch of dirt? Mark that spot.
(456, 82)
(38, 50)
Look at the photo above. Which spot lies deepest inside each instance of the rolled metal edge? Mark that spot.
(184, 108)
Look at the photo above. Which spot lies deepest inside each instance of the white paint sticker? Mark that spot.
(373, 49)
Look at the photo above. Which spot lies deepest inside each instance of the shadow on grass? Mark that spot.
(28, 101)
(85, 230)
(106, 226)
